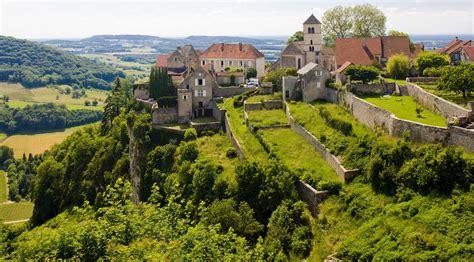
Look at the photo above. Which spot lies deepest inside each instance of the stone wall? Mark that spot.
(333, 161)
(252, 106)
(433, 103)
(422, 79)
(162, 116)
(461, 136)
(231, 91)
(273, 104)
(213, 126)
(385, 88)
(232, 139)
(310, 196)
(146, 103)
(367, 113)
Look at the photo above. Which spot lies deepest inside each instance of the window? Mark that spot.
(185, 97)
(187, 86)
(311, 42)
(203, 62)
(318, 84)
(200, 93)
(200, 82)
(230, 63)
(222, 63)
(241, 63)
(309, 30)
(176, 59)
(317, 52)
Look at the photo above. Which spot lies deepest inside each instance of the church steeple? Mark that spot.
(312, 20)
(312, 39)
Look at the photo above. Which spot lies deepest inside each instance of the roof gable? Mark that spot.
(312, 20)
(162, 60)
(233, 51)
(307, 68)
(292, 49)
(469, 50)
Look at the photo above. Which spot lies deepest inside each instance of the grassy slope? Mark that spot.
(298, 154)
(259, 98)
(130, 68)
(247, 140)
(16, 211)
(214, 149)
(3, 187)
(21, 97)
(404, 107)
(449, 95)
(36, 143)
(267, 117)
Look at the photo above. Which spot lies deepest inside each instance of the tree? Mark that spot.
(362, 73)
(251, 73)
(459, 79)
(276, 76)
(160, 83)
(297, 36)
(398, 33)
(368, 21)
(430, 60)
(398, 66)
(113, 103)
(337, 23)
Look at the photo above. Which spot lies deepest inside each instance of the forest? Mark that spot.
(48, 116)
(119, 190)
(35, 65)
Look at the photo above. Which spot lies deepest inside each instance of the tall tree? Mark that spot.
(368, 21)
(114, 101)
(459, 79)
(337, 23)
(297, 36)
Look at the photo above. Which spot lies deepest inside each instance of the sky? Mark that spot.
(47, 19)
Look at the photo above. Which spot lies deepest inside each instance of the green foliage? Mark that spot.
(398, 66)
(190, 134)
(33, 65)
(459, 79)
(297, 36)
(276, 76)
(430, 59)
(115, 101)
(44, 117)
(336, 123)
(251, 73)
(21, 173)
(160, 84)
(362, 73)
(231, 153)
(433, 71)
(347, 21)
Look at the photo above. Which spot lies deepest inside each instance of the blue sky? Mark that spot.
(82, 18)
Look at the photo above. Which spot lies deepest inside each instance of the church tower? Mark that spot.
(312, 39)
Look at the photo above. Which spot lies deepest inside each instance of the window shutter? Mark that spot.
(203, 92)
(196, 80)
(195, 93)
(203, 82)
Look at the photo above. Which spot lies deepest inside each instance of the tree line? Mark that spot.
(35, 65)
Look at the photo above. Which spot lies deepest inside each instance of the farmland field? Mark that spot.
(36, 143)
(3, 187)
(20, 96)
(134, 69)
(15, 211)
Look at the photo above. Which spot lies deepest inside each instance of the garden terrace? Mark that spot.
(214, 148)
(272, 117)
(405, 107)
(248, 142)
(260, 98)
(298, 155)
(448, 95)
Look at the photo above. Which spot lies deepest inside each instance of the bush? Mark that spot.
(95, 103)
(333, 187)
(430, 59)
(338, 124)
(276, 76)
(87, 103)
(362, 73)
(433, 71)
(167, 101)
(251, 73)
(231, 153)
(190, 134)
(398, 66)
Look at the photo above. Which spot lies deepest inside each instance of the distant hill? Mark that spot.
(33, 64)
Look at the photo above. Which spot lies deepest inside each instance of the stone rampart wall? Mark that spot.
(164, 115)
(231, 91)
(253, 106)
(232, 139)
(310, 196)
(422, 79)
(273, 104)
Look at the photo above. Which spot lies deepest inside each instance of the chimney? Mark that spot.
(240, 47)
(222, 47)
(457, 38)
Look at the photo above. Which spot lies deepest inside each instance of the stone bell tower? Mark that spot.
(312, 39)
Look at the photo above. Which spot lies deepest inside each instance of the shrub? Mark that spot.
(276, 76)
(251, 73)
(190, 134)
(362, 73)
(430, 59)
(333, 187)
(231, 153)
(459, 79)
(87, 103)
(398, 66)
(338, 124)
(167, 101)
(95, 103)
(433, 71)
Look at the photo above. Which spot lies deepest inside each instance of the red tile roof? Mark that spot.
(344, 66)
(454, 46)
(162, 60)
(232, 51)
(363, 51)
(469, 50)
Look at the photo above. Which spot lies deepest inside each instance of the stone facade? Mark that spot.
(162, 116)
(310, 83)
(141, 91)
(310, 196)
(381, 89)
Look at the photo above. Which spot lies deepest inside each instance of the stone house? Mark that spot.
(179, 61)
(195, 94)
(467, 54)
(219, 56)
(454, 49)
(310, 50)
(366, 51)
(309, 85)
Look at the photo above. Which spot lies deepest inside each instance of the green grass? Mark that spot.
(134, 69)
(449, 95)
(204, 120)
(267, 117)
(3, 136)
(36, 143)
(21, 96)
(260, 98)
(214, 148)
(404, 107)
(3, 187)
(250, 145)
(16, 211)
(298, 154)
(397, 81)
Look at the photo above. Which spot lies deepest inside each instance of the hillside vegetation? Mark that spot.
(34, 65)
